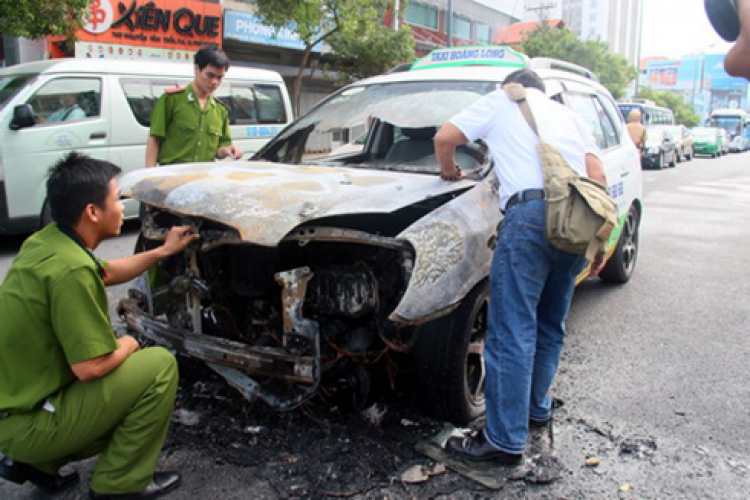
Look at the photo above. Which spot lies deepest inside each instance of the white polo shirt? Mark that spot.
(498, 120)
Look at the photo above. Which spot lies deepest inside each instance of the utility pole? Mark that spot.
(542, 9)
(449, 24)
(396, 14)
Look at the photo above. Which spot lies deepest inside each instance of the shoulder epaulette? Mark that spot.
(221, 102)
(175, 90)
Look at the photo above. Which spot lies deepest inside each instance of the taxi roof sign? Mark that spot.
(486, 55)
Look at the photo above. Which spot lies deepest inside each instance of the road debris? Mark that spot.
(592, 462)
(186, 417)
(420, 473)
(374, 415)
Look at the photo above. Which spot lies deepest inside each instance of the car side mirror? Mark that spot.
(23, 117)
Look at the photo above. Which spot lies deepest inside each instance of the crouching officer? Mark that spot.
(69, 389)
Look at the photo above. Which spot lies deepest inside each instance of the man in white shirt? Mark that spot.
(531, 282)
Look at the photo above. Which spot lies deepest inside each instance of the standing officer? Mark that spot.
(68, 388)
(531, 282)
(189, 124)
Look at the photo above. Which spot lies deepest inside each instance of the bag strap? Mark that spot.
(517, 93)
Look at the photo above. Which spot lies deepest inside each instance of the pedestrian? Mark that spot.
(531, 282)
(69, 389)
(731, 20)
(636, 130)
(189, 124)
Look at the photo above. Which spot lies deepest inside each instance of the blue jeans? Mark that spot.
(531, 287)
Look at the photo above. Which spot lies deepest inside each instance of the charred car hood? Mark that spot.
(265, 201)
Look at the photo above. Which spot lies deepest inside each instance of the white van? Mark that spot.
(103, 108)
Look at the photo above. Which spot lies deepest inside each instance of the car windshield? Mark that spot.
(383, 126)
(10, 85)
(704, 133)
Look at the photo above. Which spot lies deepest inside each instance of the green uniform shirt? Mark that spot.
(53, 313)
(190, 134)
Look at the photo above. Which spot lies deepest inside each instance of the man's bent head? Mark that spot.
(75, 182)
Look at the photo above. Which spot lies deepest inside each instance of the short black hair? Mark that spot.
(75, 181)
(209, 55)
(526, 77)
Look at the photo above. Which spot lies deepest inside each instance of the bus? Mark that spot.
(737, 124)
(651, 114)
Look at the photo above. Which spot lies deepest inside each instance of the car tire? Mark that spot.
(660, 160)
(673, 162)
(621, 264)
(450, 360)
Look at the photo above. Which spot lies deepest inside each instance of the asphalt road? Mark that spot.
(654, 373)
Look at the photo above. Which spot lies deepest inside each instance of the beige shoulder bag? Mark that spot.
(580, 214)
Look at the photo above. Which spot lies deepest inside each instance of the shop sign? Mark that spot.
(166, 24)
(246, 27)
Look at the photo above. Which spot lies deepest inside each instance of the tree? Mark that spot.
(38, 18)
(367, 47)
(337, 22)
(683, 113)
(612, 70)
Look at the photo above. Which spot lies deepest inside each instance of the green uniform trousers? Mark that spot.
(124, 416)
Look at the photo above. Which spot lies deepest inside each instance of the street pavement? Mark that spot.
(653, 377)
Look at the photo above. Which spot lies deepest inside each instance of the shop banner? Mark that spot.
(184, 25)
(246, 27)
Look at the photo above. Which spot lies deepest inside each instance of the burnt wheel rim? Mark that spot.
(630, 243)
(475, 370)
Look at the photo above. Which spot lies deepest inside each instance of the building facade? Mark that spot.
(473, 22)
(617, 22)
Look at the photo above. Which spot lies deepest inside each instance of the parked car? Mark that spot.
(115, 99)
(707, 141)
(684, 141)
(318, 269)
(661, 147)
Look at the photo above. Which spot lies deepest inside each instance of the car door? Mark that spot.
(31, 151)
(620, 157)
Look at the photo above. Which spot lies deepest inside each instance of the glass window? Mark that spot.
(584, 105)
(250, 104)
(142, 95)
(483, 33)
(422, 15)
(613, 118)
(67, 99)
(461, 27)
(10, 85)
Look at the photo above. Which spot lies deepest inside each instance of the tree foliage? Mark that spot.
(38, 18)
(367, 48)
(613, 70)
(353, 27)
(683, 113)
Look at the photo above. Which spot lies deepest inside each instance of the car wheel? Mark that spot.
(690, 156)
(673, 162)
(450, 360)
(621, 264)
(679, 156)
(660, 160)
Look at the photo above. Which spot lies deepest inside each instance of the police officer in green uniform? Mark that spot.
(69, 389)
(190, 125)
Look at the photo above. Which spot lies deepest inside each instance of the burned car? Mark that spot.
(338, 251)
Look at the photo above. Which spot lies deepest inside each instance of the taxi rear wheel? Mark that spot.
(621, 265)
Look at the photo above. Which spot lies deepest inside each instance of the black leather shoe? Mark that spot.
(161, 484)
(19, 473)
(539, 424)
(476, 447)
